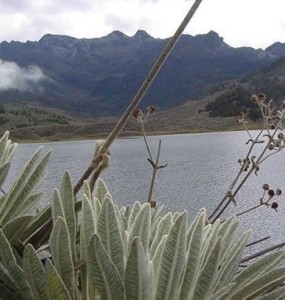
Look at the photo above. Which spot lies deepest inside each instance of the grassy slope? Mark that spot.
(30, 122)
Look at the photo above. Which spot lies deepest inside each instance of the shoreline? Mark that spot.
(126, 135)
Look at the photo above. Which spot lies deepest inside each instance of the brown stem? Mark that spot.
(233, 183)
(257, 241)
(250, 209)
(233, 195)
(88, 172)
(95, 176)
(145, 140)
(154, 171)
(140, 94)
(149, 79)
(262, 252)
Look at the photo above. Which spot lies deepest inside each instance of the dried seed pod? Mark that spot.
(271, 146)
(265, 187)
(254, 98)
(151, 109)
(278, 192)
(261, 97)
(280, 136)
(137, 113)
(271, 193)
(274, 205)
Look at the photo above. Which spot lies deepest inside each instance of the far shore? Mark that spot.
(128, 134)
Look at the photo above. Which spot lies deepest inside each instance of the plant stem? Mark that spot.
(257, 241)
(139, 95)
(250, 209)
(154, 171)
(262, 252)
(145, 139)
(150, 77)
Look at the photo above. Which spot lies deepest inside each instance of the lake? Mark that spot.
(200, 169)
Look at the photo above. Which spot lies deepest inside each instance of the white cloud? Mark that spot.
(242, 23)
(13, 76)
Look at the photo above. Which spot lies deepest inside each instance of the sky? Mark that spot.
(252, 23)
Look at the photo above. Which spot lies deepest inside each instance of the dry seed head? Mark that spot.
(261, 97)
(254, 98)
(271, 193)
(265, 187)
(137, 114)
(274, 205)
(280, 136)
(278, 192)
(151, 109)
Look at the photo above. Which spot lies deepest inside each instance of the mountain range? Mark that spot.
(100, 76)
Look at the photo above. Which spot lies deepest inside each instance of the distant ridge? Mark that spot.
(99, 76)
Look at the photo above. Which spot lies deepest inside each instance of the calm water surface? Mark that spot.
(200, 168)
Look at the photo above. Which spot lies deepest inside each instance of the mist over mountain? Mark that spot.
(100, 76)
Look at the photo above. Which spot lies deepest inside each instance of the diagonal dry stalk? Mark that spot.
(139, 95)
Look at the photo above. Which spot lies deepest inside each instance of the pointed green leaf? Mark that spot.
(61, 254)
(193, 224)
(141, 226)
(253, 286)
(34, 272)
(29, 204)
(3, 147)
(109, 232)
(163, 228)
(103, 274)
(56, 205)
(153, 226)
(36, 224)
(277, 294)
(133, 213)
(8, 260)
(54, 285)
(32, 177)
(4, 169)
(173, 260)
(96, 207)
(137, 279)
(259, 267)
(231, 264)
(209, 273)
(222, 293)
(193, 263)
(227, 231)
(87, 229)
(15, 228)
(100, 189)
(67, 200)
(156, 260)
(210, 242)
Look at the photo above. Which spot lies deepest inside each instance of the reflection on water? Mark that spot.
(200, 168)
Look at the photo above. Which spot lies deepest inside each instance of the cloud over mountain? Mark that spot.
(15, 77)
